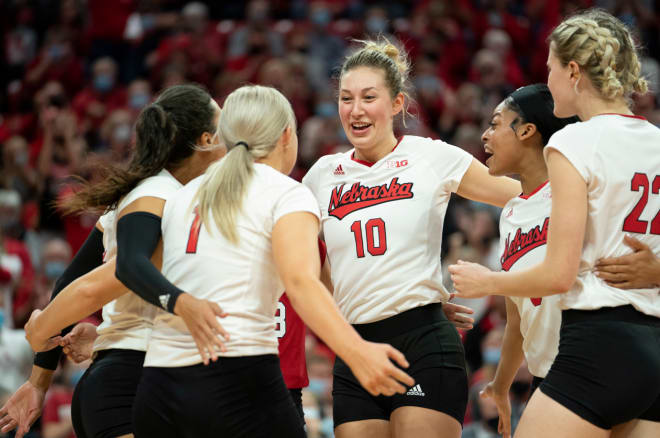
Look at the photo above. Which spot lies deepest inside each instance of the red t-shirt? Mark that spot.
(291, 331)
(58, 404)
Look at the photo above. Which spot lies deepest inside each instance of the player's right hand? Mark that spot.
(22, 409)
(78, 345)
(201, 318)
(503, 407)
(372, 366)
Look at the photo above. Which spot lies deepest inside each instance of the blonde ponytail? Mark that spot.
(251, 122)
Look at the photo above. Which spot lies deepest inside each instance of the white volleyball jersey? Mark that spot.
(127, 320)
(619, 158)
(382, 223)
(523, 236)
(241, 278)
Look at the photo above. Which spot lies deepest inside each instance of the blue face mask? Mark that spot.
(75, 377)
(2, 318)
(376, 25)
(317, 386)
(326, 110)
(53, 270)
(138, 100)
(492, 355)
(321, 17)
(103, 83)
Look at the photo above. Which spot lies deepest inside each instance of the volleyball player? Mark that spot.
(176, 140)
(519, 128)
(250, 233)
(604, 176)
(383, 207)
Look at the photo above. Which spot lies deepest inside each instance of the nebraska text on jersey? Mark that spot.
(359, 197)
(522, 243)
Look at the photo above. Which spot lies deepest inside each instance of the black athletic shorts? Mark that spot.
(536, 382)
(103, 399)
(434, 350)
(296, 396)
(233, 397)
(607, 370)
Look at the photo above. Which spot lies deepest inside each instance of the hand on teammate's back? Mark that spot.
(201, 318)
(372, 366)
(458, 314)
(639, 270)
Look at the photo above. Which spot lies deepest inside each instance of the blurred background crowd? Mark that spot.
(74, 74)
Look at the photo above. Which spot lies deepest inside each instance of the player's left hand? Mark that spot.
(79, 344)
(22, 409)
(470, 279)
(457, 314)
(37, 341)
(639, 270)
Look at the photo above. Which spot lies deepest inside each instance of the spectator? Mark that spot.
(55, 257)
(255, 38)
(100, 97)
(484, 415)
(116, 135)
(14, 251)
(15, 356)
(139, 95)
(16, 171)
(56, 417)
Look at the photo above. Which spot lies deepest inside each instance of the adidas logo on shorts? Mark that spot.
(416, 390)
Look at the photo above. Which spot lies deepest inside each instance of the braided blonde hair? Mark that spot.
(385, 56)
(603, 47)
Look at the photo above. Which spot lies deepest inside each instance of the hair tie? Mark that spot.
(241, 143)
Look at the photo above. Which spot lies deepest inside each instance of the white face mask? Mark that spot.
(576, 85)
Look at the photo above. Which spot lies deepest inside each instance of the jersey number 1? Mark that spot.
(193, 237)
(371, 227)
(632, 223)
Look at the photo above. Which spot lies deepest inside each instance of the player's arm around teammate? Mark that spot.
(639, 270)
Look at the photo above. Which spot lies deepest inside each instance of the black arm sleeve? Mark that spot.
(89, 257)
(138, 235)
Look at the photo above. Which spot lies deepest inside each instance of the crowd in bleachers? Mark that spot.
(75, 74)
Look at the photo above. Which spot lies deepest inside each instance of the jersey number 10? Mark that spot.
(632, 223)
(372, 227)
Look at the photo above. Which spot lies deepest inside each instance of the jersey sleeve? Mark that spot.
(449, 162)
(158, 186)
(296, 198)
(575, 143)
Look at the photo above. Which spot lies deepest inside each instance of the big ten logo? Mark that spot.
(280, 320)
(391, 164)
